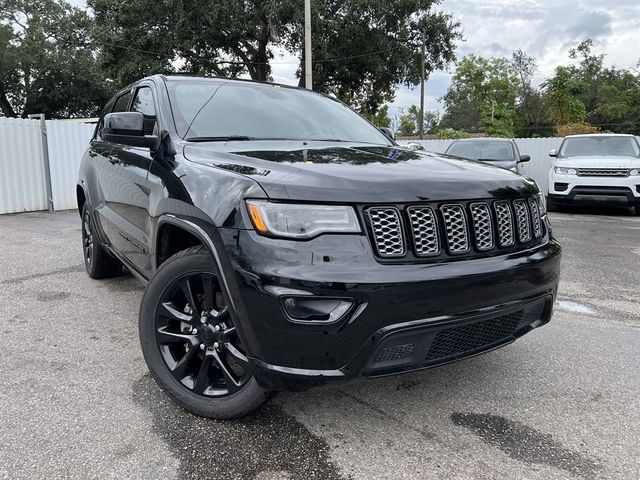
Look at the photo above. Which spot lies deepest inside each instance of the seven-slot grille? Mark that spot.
(603, 172)
(454, 229)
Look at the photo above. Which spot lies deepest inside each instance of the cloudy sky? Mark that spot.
(544, 29)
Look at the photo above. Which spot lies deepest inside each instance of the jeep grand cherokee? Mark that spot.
(285, 241)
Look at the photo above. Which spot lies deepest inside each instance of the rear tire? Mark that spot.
(98, 263)
(189, 340)
(637, 209)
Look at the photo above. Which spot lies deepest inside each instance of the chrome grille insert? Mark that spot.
(425, 231)
(522, 217)
(465, 228)
(482, 228)
(387, 231)
(535, 218)
(603, 172)
(455, 225)
(504, 220)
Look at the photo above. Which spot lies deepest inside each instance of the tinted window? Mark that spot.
(218, 109)
(490, 150)
(107, 108)
(143, 103)
(122, 103)
(601, 146)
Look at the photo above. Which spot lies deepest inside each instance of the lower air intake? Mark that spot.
(464, 339)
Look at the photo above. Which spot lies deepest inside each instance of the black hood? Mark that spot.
(359, 174)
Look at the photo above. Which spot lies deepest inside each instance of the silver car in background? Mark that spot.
(499, 152)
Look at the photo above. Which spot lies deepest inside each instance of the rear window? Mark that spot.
(487, 150)
(600, 146)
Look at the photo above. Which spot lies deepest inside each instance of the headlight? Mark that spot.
(542, 203)
(565, 170)
(634, 172)
(301, 221)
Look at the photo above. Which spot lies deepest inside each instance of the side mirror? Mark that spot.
(388, 133)
(127, 128)
(524, 158)
(553, 152)
(414, 146)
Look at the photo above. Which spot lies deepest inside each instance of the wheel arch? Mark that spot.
(198, 232)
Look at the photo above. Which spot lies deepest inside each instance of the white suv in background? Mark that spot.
(596, 169)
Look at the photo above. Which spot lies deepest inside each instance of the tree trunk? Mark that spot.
(5, 106)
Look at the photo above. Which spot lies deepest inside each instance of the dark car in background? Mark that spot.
(284, 242)
(499, 152)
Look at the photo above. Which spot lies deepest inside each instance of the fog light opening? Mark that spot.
(316, 310)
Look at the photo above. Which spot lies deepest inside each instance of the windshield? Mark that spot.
(218, 110)
(600, 146)
(490, 150)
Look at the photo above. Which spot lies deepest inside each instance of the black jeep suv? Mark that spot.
(285, 241)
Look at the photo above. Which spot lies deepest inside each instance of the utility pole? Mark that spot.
(308, 71)
(422, 61)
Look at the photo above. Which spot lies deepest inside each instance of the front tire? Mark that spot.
(190, 343)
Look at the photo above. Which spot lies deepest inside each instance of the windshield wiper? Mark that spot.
(230, 138)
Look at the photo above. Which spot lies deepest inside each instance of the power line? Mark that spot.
(235, 62)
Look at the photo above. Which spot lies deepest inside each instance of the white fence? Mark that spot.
(23, 181)
(536, 148)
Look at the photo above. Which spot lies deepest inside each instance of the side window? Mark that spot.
(143, 103)
(122, 103)
(107, 109)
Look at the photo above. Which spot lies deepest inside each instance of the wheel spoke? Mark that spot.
(229, 377)
(201, 381)
(180, 368)
(172, 312)
(235, 353)
(165, 337)
(207, 288)
(185, 286)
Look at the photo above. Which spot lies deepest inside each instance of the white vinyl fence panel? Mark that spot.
(22, 176)
(536, 148)
(23, 186)
(67, 142)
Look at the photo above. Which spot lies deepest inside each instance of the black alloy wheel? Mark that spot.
(190, 340)
(98, 263)
(197, 339)
(87, 238)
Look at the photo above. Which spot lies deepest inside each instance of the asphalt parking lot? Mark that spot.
(76, 400)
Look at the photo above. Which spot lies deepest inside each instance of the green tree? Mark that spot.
(362, 49)
(591, 94)
(46, 64)
(562, 97)
(408, 121)
(531, 115)
(381, 117)
(482, 96)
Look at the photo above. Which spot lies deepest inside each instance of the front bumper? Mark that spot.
(405, 317)
(573, 189)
